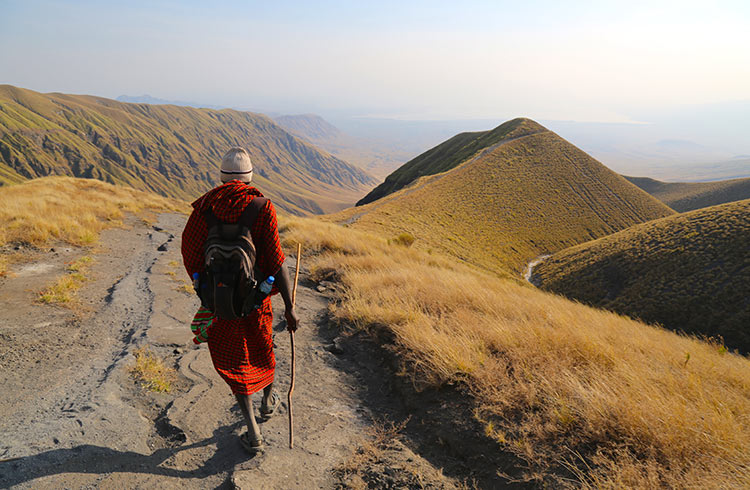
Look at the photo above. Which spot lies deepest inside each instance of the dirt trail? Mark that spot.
(74, 418)
(528, 273)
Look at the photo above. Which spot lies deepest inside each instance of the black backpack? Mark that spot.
(228, 285)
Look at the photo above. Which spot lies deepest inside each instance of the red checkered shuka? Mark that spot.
(242, 349)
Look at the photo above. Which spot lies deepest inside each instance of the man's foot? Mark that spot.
(252, 446)
(267, 409)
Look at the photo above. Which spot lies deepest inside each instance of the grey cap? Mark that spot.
(236, 165)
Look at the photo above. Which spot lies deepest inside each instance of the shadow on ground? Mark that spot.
(99, 460)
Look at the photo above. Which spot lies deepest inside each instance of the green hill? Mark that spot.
(172, 150)
(688, 272)
(449, 154)
(684, 196)
(530, 195)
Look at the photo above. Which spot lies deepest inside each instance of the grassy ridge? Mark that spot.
(450, 154)
(533, 195)
(607, 401)
(685, 196)
(173, 151)
(688, 272)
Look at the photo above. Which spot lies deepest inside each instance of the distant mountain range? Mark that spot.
(499, 198)
(376, 157)
(688, 272)
(684, 196)
(147, 99)
(172, 150)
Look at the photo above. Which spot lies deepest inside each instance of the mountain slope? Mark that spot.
(377, 157)
(511, 202)
(449, 154)
(687, 272)
(685, 196)
(174, 151)
(607, 401)
(309, 126)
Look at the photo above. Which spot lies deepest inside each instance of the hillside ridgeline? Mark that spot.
(688, 196)
(171, 150)
(449, 154)
(688, 272)
(529, 194)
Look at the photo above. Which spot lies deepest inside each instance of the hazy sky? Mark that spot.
(586, 61)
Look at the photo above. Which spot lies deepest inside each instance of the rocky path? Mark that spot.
(74, 418)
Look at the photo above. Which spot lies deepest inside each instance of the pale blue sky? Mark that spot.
(587, 61)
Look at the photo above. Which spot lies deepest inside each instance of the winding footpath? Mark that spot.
(74, 417)
(528, 273)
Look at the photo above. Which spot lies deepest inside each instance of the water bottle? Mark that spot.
(264, 289)
(196, 282)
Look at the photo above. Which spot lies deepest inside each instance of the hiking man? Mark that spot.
(242, 349)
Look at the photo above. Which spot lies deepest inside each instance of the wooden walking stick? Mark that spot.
(291, 338)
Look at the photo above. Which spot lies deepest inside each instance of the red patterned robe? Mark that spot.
(242, 349)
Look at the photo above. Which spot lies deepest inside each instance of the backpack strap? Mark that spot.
(251, 211)
(210, 218)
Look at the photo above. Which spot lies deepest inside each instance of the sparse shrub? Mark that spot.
(404, 239)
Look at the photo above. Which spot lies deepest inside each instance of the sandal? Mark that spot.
(275, 403)
(251, 446)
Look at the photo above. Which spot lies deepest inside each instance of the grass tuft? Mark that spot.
(185, 287)
(63, 290)
(151, 372)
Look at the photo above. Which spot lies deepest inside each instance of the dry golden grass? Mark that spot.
(616, 402)
(71, 210)
(64, 289)
(688, 272)
(185, 287)
(151, 371)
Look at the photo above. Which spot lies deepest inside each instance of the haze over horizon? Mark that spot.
(636, 84)
(420, 60)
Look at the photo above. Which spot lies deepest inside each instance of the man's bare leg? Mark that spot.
(246, 407)
(265, 404)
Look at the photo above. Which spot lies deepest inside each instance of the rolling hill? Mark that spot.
(504, 197)
(685, 196)
(449, 154)
(376, 157)
(171, 150)
(688, 272)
